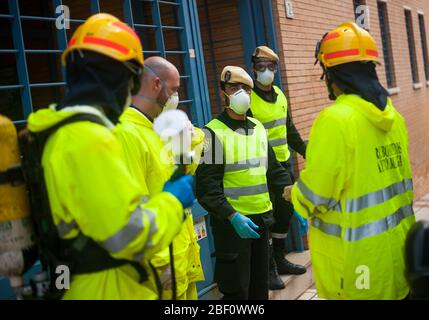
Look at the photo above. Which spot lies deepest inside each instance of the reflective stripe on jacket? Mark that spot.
(273, 117)
(246, 156)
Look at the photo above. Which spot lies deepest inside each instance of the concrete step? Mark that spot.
(295, 285)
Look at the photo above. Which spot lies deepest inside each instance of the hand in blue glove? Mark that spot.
(302, 222)
(183, 189)
(244, 226)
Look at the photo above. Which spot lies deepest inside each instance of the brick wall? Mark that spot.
(307, 94)
(222, 42)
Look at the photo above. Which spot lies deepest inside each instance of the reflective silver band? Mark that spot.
(379, 226)
(380, 196)
(325, 227)
(128, 233)
(236, 192)
(249, 163)
(274, 123)
(367, 230)
(278, 235)
(153, 229)
(64, 228)
(315, 199)
(363, 202)
(278, 142)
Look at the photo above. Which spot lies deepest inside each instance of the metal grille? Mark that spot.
(424, 45)
(386, 43)
(411, 46)
(31, 75)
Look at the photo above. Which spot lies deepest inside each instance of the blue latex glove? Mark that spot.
(183, 189)
(244, 227)
(302, 222)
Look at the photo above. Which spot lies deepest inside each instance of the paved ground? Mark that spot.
(421, 209)
(310, 294)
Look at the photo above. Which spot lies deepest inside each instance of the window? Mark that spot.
(411, 46)
(31, 75)
(424, 44)
(386, 43)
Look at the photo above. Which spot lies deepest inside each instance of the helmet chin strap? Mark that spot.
(330, 83)
(332, 95)
(325, 71)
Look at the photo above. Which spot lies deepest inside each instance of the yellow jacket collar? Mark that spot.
(45, 118)
(135, 116)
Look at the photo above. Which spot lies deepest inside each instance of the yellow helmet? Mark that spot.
(106, 34)
(346, 43)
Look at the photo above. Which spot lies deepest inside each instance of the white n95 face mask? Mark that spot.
(239, 102)
(266, 77)
(172, 102)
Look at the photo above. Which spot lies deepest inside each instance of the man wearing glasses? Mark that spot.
(269, 105)
(238, 167)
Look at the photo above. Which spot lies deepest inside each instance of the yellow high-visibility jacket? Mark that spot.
(91, 191)
(273, 116)
(246, 158)
(152, 167)
(357, 191)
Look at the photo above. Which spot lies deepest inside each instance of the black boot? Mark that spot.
(284, 266)
(276, 282)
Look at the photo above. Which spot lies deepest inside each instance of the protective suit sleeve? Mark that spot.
(106, 202)
(321, 183)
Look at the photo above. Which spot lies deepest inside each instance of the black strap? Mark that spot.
(173, 273)
(157, 281)
(13, 175)
(87, 256)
